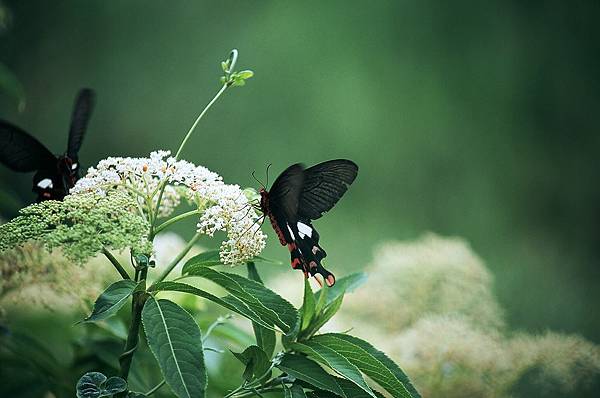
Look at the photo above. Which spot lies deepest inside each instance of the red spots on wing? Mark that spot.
(292, 246)
(312, 264)
(330, 280)
(296, 262)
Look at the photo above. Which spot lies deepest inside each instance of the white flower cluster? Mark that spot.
(223, 207)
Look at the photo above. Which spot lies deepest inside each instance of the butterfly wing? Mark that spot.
(21, 152)
(82, 111)
(284, 195)
(324, 185)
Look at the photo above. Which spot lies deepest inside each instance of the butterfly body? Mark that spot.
(299, 196)
(54, 175)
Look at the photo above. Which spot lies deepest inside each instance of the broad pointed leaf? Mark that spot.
(306, 370)
(176, 342)
(370, 361)
(308, 305)
(264, 302)
(337, 362)
(344, 285)
(256, 361)
(229, 302)
(111, 300)
(265, 337)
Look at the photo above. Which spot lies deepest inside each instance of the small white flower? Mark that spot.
(224, 207)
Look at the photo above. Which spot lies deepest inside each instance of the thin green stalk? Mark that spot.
(189, 133)
(177, 259)
(185, 140)
(174, 220)
(116, 263)
(155, 388)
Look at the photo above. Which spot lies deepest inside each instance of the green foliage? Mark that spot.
(257, 363)
(370, 361)
(306, 370)
(112, 299)
(176, 342)
(266, 304)
(265, 337)
(96, 385)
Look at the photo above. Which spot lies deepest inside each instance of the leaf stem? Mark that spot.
(177, 259)
(139, 299)
(115, 263)
(174, 220)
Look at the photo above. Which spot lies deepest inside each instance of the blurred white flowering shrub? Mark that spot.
(435, 312)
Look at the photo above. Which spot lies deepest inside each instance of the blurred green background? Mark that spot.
(475, 119)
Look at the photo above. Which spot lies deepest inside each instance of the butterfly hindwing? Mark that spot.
(21, 152)
(82, 111)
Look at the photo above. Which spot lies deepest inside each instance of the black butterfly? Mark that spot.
(54, 175)
(299, 196)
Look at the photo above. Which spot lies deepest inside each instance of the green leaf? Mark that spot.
(256, 361)
(306, 370)
(114, 385)
(295, 391)
(333, 359)
(112, 299)
(308, 305)
(95, 385)
(207, 259)
(265, 337)
(325, 316)
(228, 301)
(322, 294)
(268, 305)
(212, 258)
(176, 342)
(370, 361)
(350, 390)
(245, 74)
(344, 285)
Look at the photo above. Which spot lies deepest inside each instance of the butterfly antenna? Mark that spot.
(257, 180)
(267, 172)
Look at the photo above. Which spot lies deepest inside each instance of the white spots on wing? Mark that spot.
(291, 233)
(45, 184)
(74, 166)
(315, 249)
(304, 230)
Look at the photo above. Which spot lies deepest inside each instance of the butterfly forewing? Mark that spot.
(284, 195)
(21, 152)
(324, 185)
(82, 111)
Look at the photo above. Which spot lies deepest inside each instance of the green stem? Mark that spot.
(139, 299)
(177, 259)
(174, 220)
(189, 133)
(116, 263)
(185, 140)
(156, 388)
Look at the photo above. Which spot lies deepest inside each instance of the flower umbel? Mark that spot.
(82, 225)
(222, 207)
